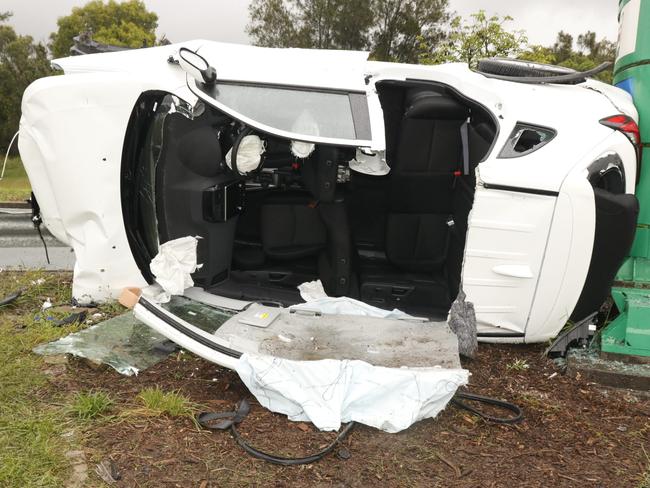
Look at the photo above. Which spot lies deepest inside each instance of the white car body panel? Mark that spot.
(527, 254)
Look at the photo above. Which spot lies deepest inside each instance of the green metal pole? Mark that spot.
(629, 333)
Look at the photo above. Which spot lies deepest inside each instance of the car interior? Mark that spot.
(392, 241)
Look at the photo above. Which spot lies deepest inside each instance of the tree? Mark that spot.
(127, 24)
(402, 26)
(21, 62)
(590, 53)
(320, 24)
(481, 37)
(391, 29)
(272, 24)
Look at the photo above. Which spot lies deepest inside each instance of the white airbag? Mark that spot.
(330, 392)
(172, 267)
(249, 154)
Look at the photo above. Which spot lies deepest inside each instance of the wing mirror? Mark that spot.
(196, 66)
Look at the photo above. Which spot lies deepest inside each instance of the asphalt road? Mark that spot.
(21, 247)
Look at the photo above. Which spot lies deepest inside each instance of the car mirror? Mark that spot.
(196, 66)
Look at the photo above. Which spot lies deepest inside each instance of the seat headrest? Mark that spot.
(434, 106)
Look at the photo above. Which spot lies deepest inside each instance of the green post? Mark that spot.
(629, 333)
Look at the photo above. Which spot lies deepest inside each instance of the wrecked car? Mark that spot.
(396, 185)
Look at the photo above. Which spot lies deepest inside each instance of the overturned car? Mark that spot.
(396, 185)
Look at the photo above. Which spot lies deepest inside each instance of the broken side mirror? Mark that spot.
(196, 66)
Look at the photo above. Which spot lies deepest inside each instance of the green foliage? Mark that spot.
(90, 404)
(321, 24)
(158, 402)
(391, 29)
(589, 54)
(470, 41)
(401, 26)
(127, 24)
(21, 62)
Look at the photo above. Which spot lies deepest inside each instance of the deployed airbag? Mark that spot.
(330, 392)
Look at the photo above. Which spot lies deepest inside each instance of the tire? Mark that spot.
(519, 68)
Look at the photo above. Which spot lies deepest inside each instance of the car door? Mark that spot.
(300, 94)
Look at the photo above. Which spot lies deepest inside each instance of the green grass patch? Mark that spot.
(159, 402)
(91, 404)
(14, 187)
(31, 423)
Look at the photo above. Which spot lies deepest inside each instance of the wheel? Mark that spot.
(519, 68)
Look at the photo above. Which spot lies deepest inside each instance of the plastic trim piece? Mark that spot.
(532, 191)
(191, 332)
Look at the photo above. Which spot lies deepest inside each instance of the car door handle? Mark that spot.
(514, 271)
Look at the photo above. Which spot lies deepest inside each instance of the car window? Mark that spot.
(307, 112)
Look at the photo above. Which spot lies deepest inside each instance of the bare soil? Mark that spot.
(575, 433)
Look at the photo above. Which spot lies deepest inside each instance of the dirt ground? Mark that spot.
(574, 433)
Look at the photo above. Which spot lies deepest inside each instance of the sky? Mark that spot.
(225, 20)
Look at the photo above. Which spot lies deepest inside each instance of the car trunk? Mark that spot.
(391, 240)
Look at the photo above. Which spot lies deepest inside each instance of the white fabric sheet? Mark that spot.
(331, 392)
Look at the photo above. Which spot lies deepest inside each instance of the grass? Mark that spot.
(518, 365)
(90, 404)
(31, 428)
(32, 416)
(15, 185)
(158, 402)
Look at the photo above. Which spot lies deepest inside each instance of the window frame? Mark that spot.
(358, 101)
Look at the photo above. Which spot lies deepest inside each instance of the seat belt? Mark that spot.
(464, 139)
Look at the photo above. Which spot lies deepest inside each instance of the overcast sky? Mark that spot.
(224, 20)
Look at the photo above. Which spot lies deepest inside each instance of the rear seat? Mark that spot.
(420, 215)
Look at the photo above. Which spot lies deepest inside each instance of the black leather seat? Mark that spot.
(426, 156)
(297, 225)
(421, 214)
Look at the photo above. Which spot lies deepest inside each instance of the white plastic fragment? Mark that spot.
(46, 304)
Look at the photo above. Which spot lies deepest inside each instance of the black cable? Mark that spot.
(519, 414)
(229, 420)
(284, 461)
(40, 234)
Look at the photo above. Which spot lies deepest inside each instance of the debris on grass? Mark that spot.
(123, 343)
(518, 365)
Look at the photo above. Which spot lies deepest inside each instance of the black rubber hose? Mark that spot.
(10, 298)
(519, 414)
(574, 78)
(284, 461)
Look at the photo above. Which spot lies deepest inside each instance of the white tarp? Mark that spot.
(331, 392)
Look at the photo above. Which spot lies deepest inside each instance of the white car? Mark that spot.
(393, 184)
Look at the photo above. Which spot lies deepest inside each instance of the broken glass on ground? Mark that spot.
(126, 344)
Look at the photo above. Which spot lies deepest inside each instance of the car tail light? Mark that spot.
(629, 127)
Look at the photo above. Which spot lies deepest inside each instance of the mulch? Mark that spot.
(575, 433)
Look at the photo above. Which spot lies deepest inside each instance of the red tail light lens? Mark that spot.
(626, 125)
(629, 127)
